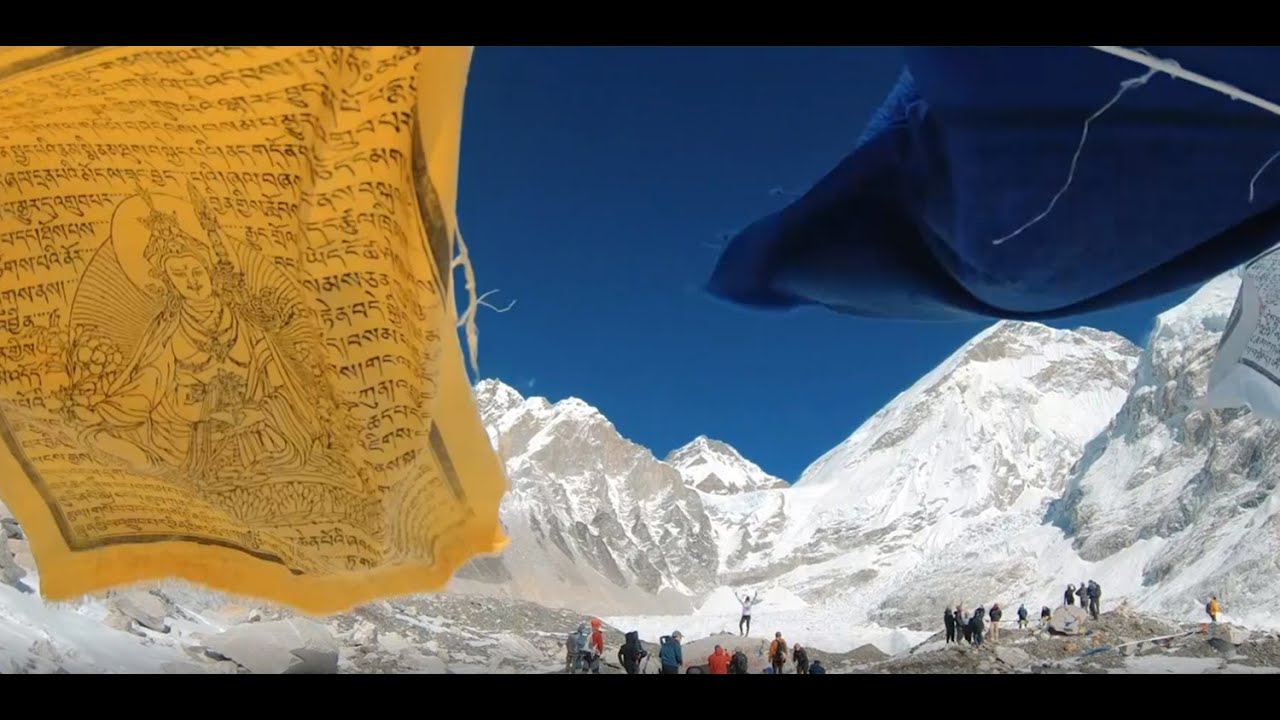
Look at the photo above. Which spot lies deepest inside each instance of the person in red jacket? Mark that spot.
(597, 637)
(718, 662)
(595, 646)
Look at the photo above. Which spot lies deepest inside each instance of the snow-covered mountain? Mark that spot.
(595, 520)
(744, 502)
(917, 509)
(1030, 458)
(1179, 498)
(715, 468)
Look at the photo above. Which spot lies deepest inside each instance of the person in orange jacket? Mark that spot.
(778, 653)
(1212, 608)
(718, 662)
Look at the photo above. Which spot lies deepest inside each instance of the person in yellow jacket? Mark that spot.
(1212, 608)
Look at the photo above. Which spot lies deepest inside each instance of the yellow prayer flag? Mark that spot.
(227, 332)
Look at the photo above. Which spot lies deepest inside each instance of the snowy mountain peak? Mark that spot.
(970, 453)
(594, 519)
(495, 398)
(715, 467)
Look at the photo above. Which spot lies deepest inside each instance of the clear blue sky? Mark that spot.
(594, 185)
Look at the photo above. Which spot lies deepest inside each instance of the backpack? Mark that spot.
(780, 652)
(630, 650)
(738, 663)
(583, 641)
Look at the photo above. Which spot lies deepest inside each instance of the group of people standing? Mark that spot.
(972, 627)
(1090, 595)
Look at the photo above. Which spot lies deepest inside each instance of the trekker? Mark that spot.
(631, 653)
(1094, 592)
(744, 622)
(590, 647)
(966, 627)
(718, 662)
(1069, 597)
(738, 663)
(571, 649)
(670, 654)
(817, 668)
(578, 646)
(1212, 609)
(1045, 616)
(777, 653)
(949, 621)
(801, 659)
(596, 646)
(996, 614)
(1022, 617)
(977, 626)
(1082, 592)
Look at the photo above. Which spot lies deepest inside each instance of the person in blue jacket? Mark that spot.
(817, 669)
(670, 654)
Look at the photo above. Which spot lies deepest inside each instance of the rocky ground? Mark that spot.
(1119, 641)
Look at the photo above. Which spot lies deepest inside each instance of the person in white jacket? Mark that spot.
(744, 623)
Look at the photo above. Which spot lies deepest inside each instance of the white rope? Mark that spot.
(1173, 68)
(1125, 87)
(1154, 65)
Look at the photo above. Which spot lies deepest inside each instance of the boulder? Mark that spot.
(1068, 620)
(1229, 634)
(10, 571)
(392, 642)
(415, 662)
(1222, 645)
(119, 621)
(291, 646)
(1013, 657)
(11, 529)
(144, 608)
(21, 550)
(364, 633)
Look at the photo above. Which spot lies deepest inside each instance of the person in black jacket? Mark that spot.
(817, 669)
(1045, 616)
(1069, 597)
(801, 658)
(631, 653)
(1094, 592)
(978, 627)
(949, 621)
